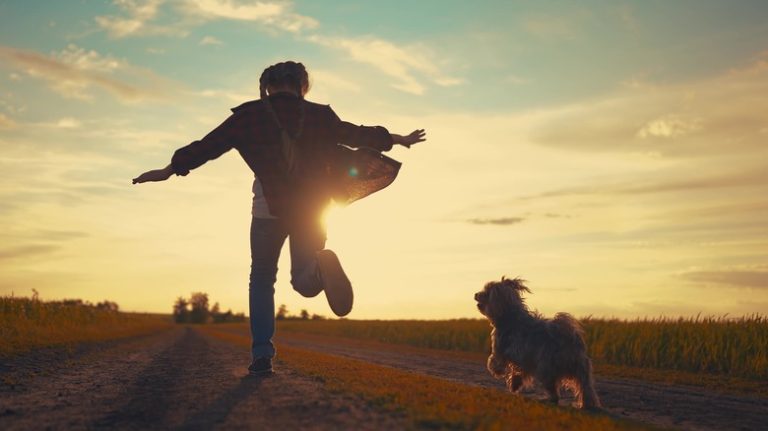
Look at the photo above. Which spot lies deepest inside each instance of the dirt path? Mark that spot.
(178, 379)
(664, 405)
(182, 379)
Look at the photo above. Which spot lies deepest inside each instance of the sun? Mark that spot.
(330, 213)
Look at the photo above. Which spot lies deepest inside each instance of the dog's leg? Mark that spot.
(588, 395)
(551, 387)
(497, 366)
(514, 378)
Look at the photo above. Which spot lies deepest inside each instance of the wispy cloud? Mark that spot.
(74, 71)
(413, 67)
(274, 15)
(410, 66)
(142, 18)
(682, 119)
(737, 278)
(136, 21)
(636, 186)
(26, 251)
(503, 221)
(669, 126)
(68, 123)
(210, 40)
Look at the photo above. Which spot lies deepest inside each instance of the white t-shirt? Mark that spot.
(260, 209)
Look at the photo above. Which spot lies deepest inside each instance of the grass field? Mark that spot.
(718, 346)
(27, 323)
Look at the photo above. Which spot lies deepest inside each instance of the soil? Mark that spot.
(183, 379)
(673, 406)
(179, 379)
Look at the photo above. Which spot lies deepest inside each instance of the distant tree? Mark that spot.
(282, 312)
(304, 315)
(199, 312)
(317, 317)
(181, 310)
(108, 306)
(71, 302)
(195, 310)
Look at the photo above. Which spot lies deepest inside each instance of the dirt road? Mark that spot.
(179, 379)
(663, 405)
(182, 379)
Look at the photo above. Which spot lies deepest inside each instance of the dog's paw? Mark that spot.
(514, 383)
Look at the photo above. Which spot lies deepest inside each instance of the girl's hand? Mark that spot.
(155, 175)
(415, 137)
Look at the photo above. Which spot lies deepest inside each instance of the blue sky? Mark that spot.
(610, 152)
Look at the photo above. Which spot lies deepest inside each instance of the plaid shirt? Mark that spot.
(254, 134)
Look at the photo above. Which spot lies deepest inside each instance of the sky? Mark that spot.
(612, 153)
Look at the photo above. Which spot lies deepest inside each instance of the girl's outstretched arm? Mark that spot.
(414, 137)
(154, 175)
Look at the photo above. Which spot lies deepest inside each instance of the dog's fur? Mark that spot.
(525, 346)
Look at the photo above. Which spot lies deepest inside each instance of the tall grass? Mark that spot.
(469, 335)
(725, 346)
(28, 323)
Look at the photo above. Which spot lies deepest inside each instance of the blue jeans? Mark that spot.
(267, 238)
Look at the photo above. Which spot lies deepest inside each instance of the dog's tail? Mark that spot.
(568, 328)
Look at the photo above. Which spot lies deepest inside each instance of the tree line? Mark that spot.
(196, 309)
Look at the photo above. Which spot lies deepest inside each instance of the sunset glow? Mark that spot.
(613, 154)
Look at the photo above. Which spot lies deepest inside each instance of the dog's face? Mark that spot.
(497, 297)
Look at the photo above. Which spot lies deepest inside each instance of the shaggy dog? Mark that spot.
(525, 346)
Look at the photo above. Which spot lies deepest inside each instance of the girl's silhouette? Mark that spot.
(292, 147)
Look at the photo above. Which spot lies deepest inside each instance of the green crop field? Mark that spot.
(736, 347)
(29, 323)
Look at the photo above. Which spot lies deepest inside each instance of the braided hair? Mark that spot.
(292, 75)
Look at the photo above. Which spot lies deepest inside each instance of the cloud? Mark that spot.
(716, 115)
(74, 71)
(210, 40)
(43, 235)
(26, 251)
(737, 278)
(642, 185)
(503, 221)
(274, 15)
(137, 22)
(142, 18)
(402, 64)
(6, 122)
(411, 66)
(670, 126)
(83, 59)
(61, 235)
(324, 80)
(68, 123)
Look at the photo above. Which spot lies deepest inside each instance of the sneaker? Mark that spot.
(338, 289)
(261, 366)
